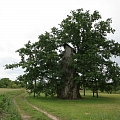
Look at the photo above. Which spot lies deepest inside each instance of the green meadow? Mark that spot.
(105, 107)
(18, 110)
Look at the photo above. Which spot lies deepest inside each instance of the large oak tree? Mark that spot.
(92, 62)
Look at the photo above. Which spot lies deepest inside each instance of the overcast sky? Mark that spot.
(23, 20)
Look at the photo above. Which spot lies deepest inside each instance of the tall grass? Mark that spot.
(8, 110)
(106, 107)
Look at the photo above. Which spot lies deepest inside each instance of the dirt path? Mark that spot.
(42, 111)
(27, 117)
(24, 117)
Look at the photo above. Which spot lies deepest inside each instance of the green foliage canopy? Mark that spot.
(88, 35)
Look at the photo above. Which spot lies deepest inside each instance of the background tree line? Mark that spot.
(94, 68)
(7, 83)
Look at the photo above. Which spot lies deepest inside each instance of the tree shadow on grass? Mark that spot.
(102, 99)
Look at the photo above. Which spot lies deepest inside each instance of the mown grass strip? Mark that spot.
(42, 111)
(106, 107)
(27, 110)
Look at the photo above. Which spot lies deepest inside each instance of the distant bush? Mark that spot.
(118, 88)
(7, 83)
(116, 92)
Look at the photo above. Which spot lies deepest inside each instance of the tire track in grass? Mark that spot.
(40, 110)
(24, 117)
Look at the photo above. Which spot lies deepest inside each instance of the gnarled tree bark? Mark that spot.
(70, 87)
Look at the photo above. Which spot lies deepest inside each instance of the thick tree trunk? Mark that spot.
(69, 88)
(70, 91)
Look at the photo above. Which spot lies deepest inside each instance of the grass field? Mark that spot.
(6, 90)
(8, 110)
(106, 107)
(28, 110)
